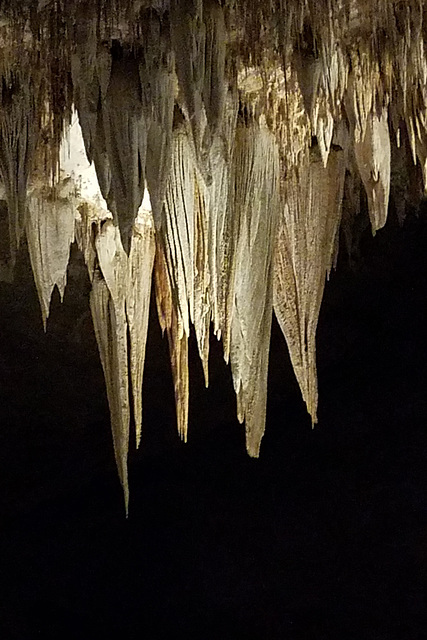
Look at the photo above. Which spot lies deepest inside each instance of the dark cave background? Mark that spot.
(323, 537)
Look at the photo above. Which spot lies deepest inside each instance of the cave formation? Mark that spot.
(220, 151)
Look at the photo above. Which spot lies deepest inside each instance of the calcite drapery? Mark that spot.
(255, 206)
(307, 233)
(373, 157)
(120, 302)
(50, 225)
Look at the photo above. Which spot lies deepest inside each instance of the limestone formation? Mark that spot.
(221, 148)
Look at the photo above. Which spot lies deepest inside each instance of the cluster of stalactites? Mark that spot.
(254, 127)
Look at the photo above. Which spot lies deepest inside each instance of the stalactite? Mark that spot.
(50, 233)
(141, 260)
(178, 227)
(304, 252)
(158, 84)
(188, 33)
(221, 237)
(184, 233)
(255, 207)
(84, 74)
(202, 302)
(178, 340)
(373, 156)
(108, 306)
(18, 135)
(214, 87)
(309, 70)
(126, 142)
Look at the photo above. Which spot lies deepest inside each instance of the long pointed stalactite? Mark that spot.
(306, 238)
(219, 149)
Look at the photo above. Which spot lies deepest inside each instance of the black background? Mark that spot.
(323, 537)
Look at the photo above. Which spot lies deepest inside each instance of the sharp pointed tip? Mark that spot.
(253, 449)
(126, 498)
(138, 436)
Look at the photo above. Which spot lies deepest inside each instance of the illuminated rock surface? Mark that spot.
(217, 148)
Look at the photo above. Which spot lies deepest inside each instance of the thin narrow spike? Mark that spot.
(202, 303)
(140, 261)
(178, 348)
(107, 301)
(106, 330)
(178, 341)
(221, 221)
